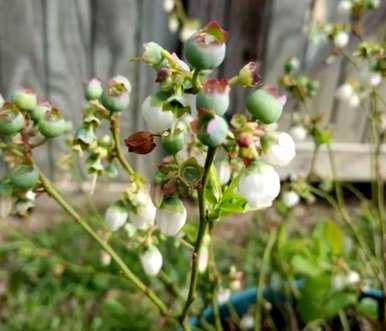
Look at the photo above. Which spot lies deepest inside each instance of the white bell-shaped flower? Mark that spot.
(203, 259)
(375, 79)
(1, 101)
(344, 92)
(143, 215)
(298, 132)
(341, 39)
(259, 184)
(281, 149)
(171, 216)
(290, 198)
(168, 5)
(354, 101)
(156, 119)
(116, 216)
(151, 260)
(224, 172)
(344, 7)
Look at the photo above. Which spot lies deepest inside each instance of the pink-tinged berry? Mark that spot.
(205, 49)
(24, 98)
(52, 124)
(212, 129)
(24, 176)
(116, 96)
(38, 112)
(172, 143)
(93, 89)
(265, 105)
(11, 119)
(214, 96)
(171, 216)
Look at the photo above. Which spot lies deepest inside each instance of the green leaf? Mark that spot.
(334, 236)
(307, 266)
(232, 204)
(368, 307)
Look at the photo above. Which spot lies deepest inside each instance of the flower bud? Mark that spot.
(249, 75)
(157, 120)
(281, 149)
(24, 98)
(11, 119)
(38, 112)
(152, 54)
(94, 89)
(85, 135)
(259, 184)
(341, 39)
(212, 130)
(52, 124)
(116, 96)
(24, 176)
(141, 142)
(214, 96)
(224, 172)
(298, 132)
(265, 106)
(245, 139)
(116, 216)
(151, 260)
(205, 49)
(290, 199)
(143, 215)
(172, 143)
(171, 216)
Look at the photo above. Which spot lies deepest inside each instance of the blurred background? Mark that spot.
(55, 46)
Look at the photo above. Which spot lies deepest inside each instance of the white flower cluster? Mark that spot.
(170, 217)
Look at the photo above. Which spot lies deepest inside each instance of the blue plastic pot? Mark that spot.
(242, 302)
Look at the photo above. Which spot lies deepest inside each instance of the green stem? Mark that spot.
(137, 283)
(261, 279)
(115, 130)
(203, 224)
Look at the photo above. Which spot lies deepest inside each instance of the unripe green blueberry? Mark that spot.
(52, 124)
(213, 131)
(11, 119)
(214, 96)
(38, 112)
(116, 96)
(94, 89)
(264, 106)
(205, 49)
(172, 143)
(24, 98)
(24, 176)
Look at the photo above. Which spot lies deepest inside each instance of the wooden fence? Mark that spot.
(54, 46)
